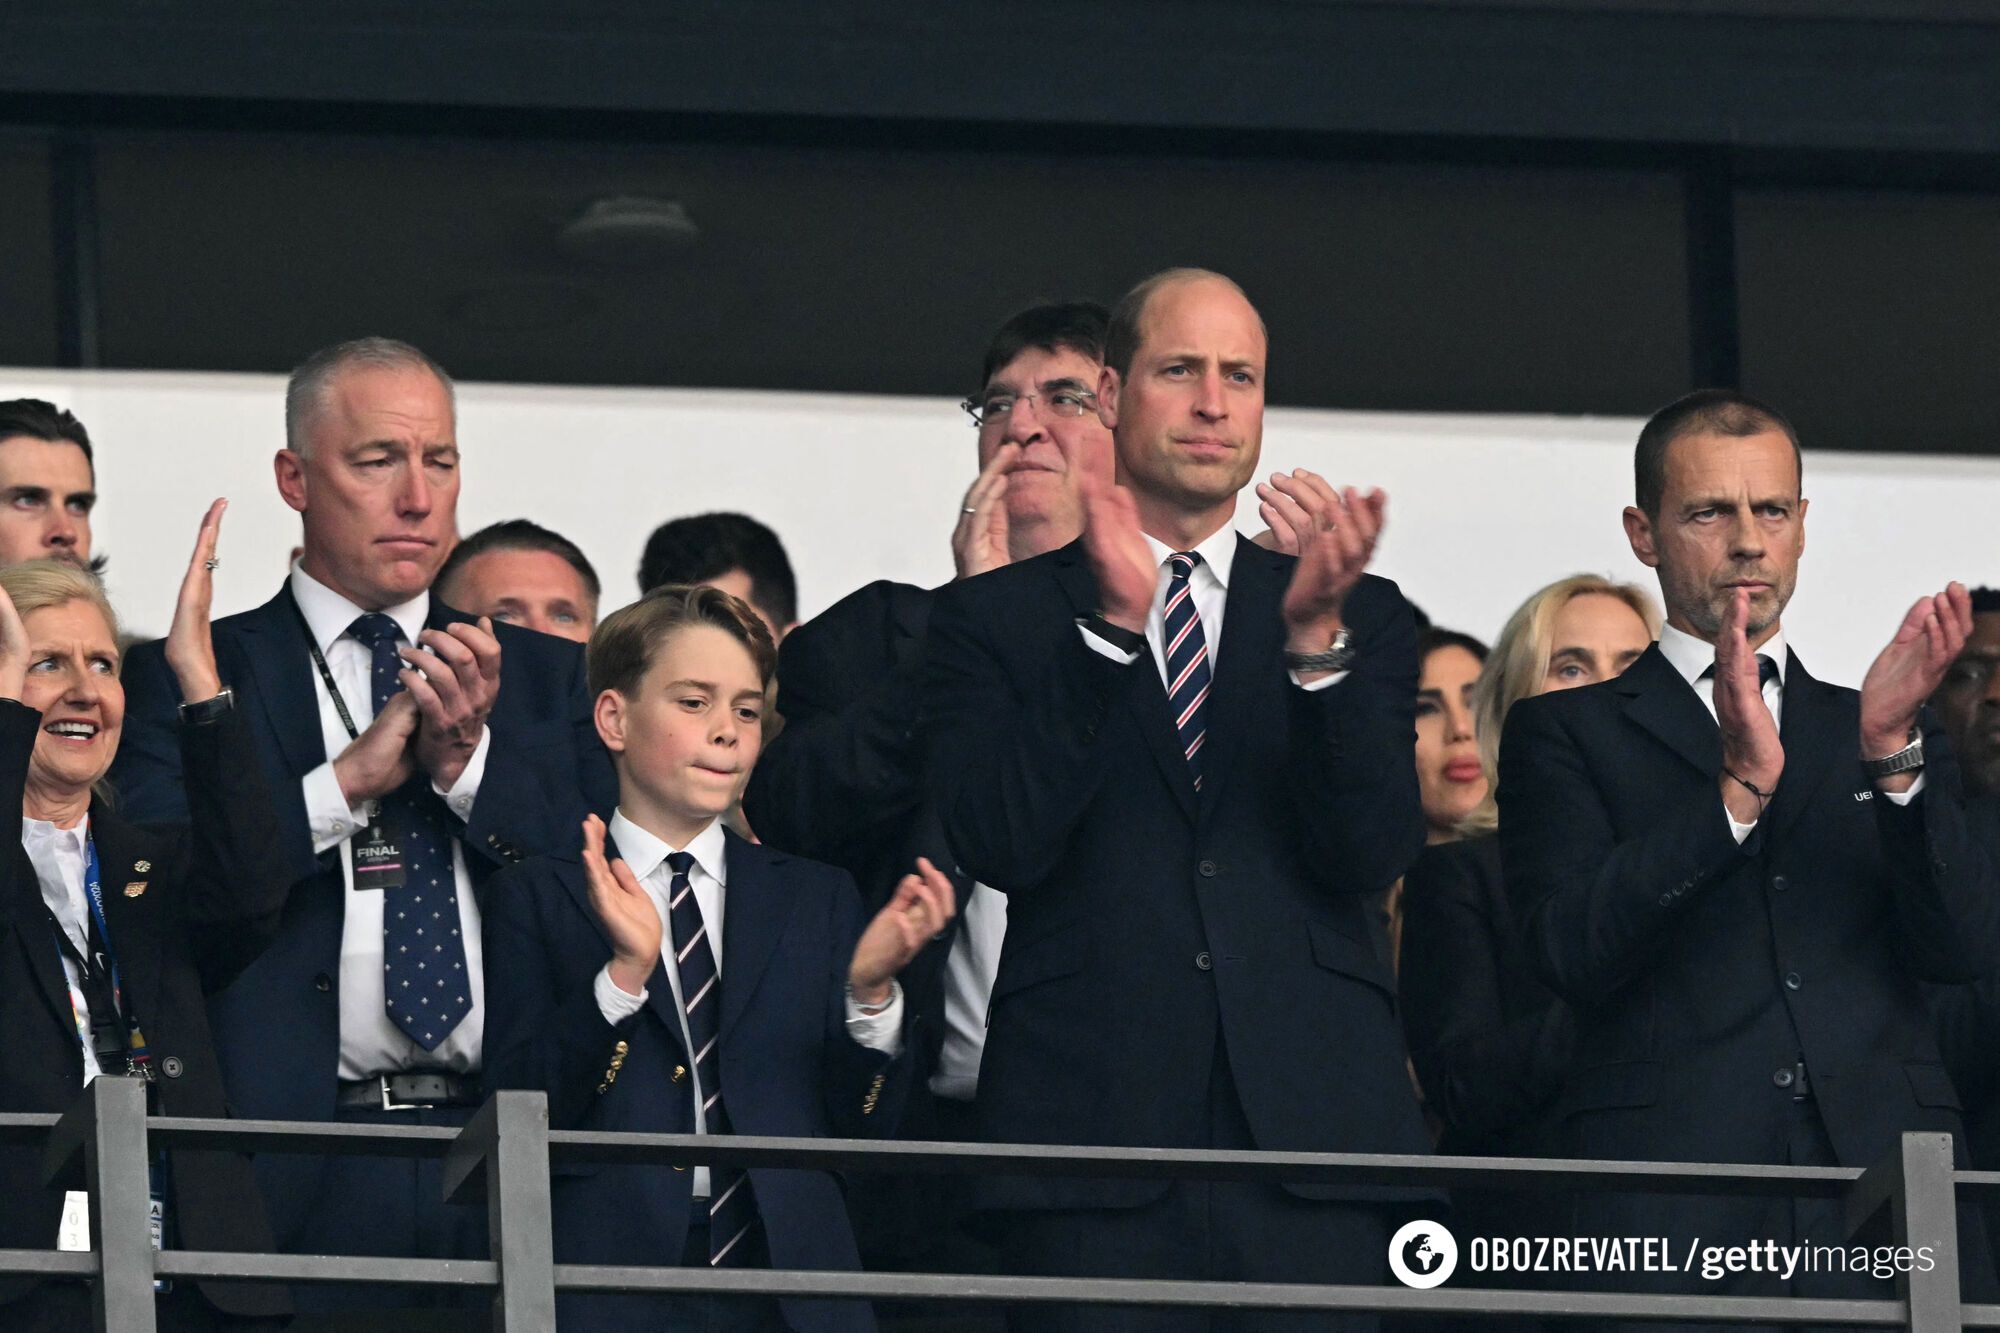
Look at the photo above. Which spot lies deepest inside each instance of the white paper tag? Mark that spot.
(73, 1232)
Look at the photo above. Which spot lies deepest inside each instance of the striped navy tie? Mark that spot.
(732, 1208)
(1187, 662)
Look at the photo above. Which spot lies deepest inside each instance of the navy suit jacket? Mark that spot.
(788, 1065)
(1150, 928)
(1701, 970)
(277, 1027)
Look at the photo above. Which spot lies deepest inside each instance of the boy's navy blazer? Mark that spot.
(788, 1065)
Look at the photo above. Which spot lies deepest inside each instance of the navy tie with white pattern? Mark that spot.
(426, 987)
(1187, 662)
(732, 1207)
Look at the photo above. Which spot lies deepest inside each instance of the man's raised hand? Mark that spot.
(1336, 533)
(1119, 557)
(454, 676)
(1912, 666)
(979, 542)
(1751, 750)
(190, 647)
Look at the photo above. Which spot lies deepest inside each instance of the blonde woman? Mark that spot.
(1489, 1042)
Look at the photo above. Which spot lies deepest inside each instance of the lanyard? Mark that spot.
(137, 1053)
(325, 672)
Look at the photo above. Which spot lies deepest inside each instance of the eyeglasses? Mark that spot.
(1061, 403)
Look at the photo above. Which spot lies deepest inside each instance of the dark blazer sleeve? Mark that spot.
(1014, 769)
(1589, 904)
(844, 773)
(540, 1033)
(1483, 1072)
(238, 870)
(1353, 785)
(1940, 857)
(545, 767)
(865, 1090)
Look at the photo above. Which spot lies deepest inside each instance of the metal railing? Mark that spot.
(503, 1156)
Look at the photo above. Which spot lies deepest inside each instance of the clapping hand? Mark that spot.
(624, 908)
(454, 677)
(922, 906)
(1119, 557)
(1752, 755)
(14, 649)
(1335, 533)
(1910, 669)
(979, 542)
(190, 648)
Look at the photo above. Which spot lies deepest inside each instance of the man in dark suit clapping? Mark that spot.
(1185, 761)
(1738, 874)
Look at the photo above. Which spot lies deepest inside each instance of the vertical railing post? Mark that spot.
(1915, 1184)
(504, 1152)
(107, 1127)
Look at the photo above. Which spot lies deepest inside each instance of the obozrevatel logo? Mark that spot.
(1422, 1254)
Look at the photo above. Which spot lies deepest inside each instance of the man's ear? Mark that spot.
(1639, 532)
(290, 470)
(609, 714)
(1803, 502)
(1107, 397)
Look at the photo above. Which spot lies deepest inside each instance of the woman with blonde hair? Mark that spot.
(116, 932)
(1490, 1043)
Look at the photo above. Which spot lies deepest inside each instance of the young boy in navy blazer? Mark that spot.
(674, 978)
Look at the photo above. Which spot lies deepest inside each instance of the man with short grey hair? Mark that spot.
(416, 768)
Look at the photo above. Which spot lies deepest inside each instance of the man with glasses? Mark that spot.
(844, 782)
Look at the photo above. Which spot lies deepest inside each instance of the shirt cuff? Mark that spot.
(328, 814)
(1736, 830)
(613, 1001)
(1323, 683)
(1103, 649)
(1905, 797)
(879, 1032)
(465, 791)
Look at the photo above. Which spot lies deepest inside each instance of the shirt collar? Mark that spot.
(644, 850)
(1217, 552)
(329, 614)
(1690, 656)
(45, 831)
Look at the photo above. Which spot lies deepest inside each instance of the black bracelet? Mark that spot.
(1124, 640)
(1763, 797)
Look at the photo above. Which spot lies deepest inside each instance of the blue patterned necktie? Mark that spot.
(732, 1207)
(424, 980)
(1187, 662)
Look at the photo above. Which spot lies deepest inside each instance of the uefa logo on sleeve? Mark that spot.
(1422, 1254)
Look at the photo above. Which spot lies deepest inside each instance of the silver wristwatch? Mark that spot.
(1338, 656)
(1910, 757)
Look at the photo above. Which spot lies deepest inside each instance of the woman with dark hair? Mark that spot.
(1450, 777)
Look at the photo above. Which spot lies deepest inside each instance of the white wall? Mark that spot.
(1483, 509)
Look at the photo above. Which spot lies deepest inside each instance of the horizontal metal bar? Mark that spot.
(964, 1288)
(49, 1263)
(330, 1138)
(327, 1268)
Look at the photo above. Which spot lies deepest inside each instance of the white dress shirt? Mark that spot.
(646, 854)
(58, 856)
(1209, 586)
(1691, 656)
(969, 971)
(370, 1041)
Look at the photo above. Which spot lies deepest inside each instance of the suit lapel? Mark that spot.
(275, 650)
(1252, 635)
(133, 922)
(659, 991)
(1662, 703)
(1149, 701)
(1813, 731)
(757, 908)
(30, 917)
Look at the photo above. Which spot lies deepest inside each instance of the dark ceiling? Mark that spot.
(1534, 206)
